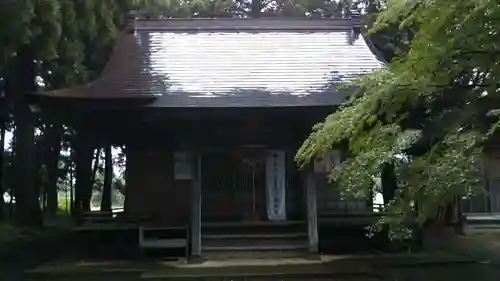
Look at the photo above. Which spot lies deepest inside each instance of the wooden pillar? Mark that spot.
(52, 161)
(256, 7)
(312, 213)
(196, 211)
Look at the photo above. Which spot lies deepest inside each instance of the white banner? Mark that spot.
(276, 185)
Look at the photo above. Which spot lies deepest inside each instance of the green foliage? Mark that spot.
(15, 23)
(63, 205)
(440, 97)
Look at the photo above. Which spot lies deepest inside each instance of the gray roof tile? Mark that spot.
(298, 64)
(255, 69)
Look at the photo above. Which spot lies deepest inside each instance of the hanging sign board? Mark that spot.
(183, 166)
(276, 185)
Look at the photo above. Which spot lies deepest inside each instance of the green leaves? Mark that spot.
(15, 26)
(434, 106)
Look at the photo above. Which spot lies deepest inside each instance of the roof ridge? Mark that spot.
(242, 24)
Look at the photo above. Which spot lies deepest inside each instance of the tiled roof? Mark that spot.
(301, 64)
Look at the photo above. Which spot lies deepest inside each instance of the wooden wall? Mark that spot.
(151, 190)
(328, 196)
(329, 200)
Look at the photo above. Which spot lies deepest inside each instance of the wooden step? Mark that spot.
(258, 247)
(157, 232)
(163, 243)
(253, 228)
(238, 244)
(253, 241)
(235, 255)
(251, 224)
(254, 236)
(162, 237)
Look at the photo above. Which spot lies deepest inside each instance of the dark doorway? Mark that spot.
(233, 185)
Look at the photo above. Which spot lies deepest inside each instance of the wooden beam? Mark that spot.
(312, 213)
(196, 211)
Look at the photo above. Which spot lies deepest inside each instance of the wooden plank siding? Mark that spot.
(329, 198)
(152, 192)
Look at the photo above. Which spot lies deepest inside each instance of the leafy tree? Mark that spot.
(57, 43)
(431, 111)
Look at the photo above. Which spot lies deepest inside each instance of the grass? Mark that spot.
(11, 233)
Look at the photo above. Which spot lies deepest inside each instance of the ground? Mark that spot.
(435, 266)
(472, 272)
(469, 258)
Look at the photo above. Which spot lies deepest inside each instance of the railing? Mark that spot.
(351, 207)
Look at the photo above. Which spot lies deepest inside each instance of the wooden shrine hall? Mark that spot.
(212, 112)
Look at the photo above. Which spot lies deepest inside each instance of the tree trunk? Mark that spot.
(54, 150)
(108, 179)
(389, 185)
(94, 172)
(20, 82)
(12, 184)
(87, 192)
(71, 192)
(127, 175)
(2, 151)
(83, 171)
(27, 197)
(389, 182)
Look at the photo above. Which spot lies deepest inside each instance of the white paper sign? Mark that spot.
(276, 185)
